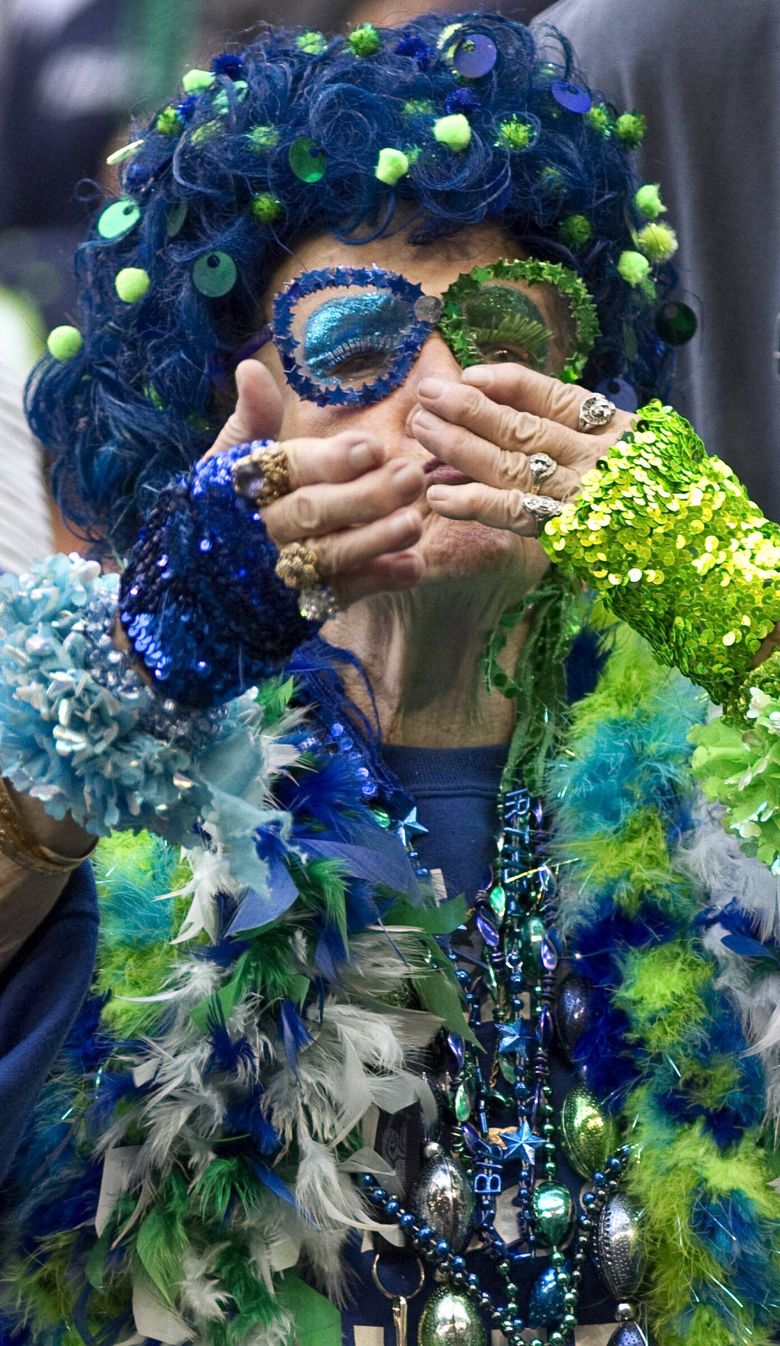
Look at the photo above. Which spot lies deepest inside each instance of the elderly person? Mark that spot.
(431, 996)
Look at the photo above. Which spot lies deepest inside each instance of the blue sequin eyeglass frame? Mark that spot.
(424, 309)
(425, 314)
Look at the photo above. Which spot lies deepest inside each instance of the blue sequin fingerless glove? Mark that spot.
(200, 602)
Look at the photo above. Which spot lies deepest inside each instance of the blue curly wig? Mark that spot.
(214, 173)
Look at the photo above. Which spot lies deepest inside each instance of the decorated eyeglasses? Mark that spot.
(350, 335)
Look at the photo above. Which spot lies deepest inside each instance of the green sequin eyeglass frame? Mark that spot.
(358, 346)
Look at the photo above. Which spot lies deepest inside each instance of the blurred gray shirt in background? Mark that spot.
(706, 73)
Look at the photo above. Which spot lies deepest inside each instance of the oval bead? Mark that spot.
(572, 1011)
(628, 1334)
(544, 1026)
(464, 1101)
(214, 274)
(118, 218)
(442, 1197)
(546, 1304)
(475, 56)
(307, 161)
(553, 1211)
(618, 1247)
(497, 900)
(450, 1319)
(487, 930)
(589, 1135)
(532, 936)
(456, 1053)
(675, 324)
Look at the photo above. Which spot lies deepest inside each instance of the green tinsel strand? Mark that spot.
(538, 683)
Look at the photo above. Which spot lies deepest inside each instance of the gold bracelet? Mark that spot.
(17, 844)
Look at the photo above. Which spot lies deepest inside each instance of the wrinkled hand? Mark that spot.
(489, 423)
(347, 503)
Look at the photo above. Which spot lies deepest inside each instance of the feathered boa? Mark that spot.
(195, 1146)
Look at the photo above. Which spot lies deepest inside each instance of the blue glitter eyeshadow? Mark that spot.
(351, 339)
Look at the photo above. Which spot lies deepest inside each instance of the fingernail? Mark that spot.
(405, 523)
(432, 388)
(404, 472)
(362, 456)
(425, 420)
(439, 494)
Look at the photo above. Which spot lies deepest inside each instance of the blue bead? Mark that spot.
(441, 1248)
(365, 1181)
(406, 1221)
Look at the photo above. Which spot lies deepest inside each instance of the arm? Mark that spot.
(665, 533)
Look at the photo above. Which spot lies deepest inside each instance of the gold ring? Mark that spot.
(298, 566)
(262, 474)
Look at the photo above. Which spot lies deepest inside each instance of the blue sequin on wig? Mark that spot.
(138, 403)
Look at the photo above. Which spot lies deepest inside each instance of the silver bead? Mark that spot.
(618, 1248)
(442, 1197)
(450, 1319)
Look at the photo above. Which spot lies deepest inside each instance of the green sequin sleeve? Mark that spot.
(668, 536)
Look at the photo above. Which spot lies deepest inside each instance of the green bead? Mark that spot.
(118, 218)
(675, 324)
(532, 935)
(464, 1100)
(497, 900)
(131, 284)
(64, 342)
(450, 1319)
(589, 1134)
(214, 274)
(307, 161)
(553, 1212)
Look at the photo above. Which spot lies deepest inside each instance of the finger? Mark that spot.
(356, 546)
(527, 390)
(486, 462)
(484, 504)
(386, 574)
(258, 410)
(324, 507)
(511, 429)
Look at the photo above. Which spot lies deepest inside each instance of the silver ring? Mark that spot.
(595, 412)
(541, 466)
(541, 508)
(317, 603)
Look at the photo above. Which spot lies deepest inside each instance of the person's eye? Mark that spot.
(356, 357)
(502, 324)
(353, 338)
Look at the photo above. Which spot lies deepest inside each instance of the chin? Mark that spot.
(458, 549)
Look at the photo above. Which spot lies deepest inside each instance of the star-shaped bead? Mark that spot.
(521, 1143)
(513, 1038)
(409, 827)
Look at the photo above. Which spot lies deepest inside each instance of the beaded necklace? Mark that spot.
(455, 1196)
